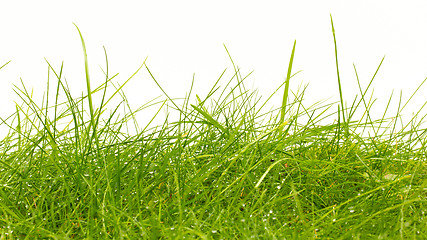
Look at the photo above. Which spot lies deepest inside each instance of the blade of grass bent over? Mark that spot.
(209, 118)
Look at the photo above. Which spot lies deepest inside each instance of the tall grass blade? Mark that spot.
(286, 92)
(89, 91)
(338, 72)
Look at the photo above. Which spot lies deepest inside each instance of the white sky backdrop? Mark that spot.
(185, 37)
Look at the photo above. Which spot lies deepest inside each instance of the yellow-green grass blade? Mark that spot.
(286, 92)
(338, 71)
(209, 118)
(89, 91)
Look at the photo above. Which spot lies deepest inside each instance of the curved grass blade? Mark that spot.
(286, 92)
(89, 91)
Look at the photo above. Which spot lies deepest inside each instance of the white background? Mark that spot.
(185, 37)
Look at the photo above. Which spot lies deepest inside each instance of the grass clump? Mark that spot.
(224, 169)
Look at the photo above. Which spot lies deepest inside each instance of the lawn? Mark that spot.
(224, 168)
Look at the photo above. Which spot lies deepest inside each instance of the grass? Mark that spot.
(224, 169)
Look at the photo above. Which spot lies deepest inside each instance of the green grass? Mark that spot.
(225, 168)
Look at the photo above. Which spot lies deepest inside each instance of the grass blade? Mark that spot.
(89, 91)
(338, 71)
(286, 92)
